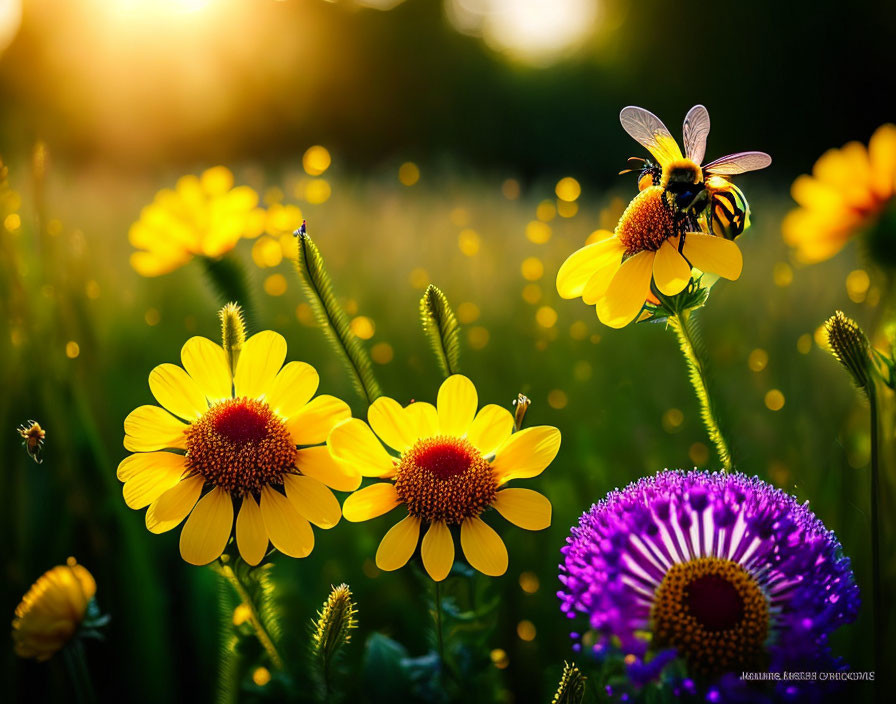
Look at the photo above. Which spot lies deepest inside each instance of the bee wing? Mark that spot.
(650, 132)
(738, 163)
(696, 130)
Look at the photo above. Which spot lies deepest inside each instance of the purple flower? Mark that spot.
(728, 572)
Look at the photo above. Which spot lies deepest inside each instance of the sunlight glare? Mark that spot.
(535, 31)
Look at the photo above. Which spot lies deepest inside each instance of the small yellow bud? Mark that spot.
(233, 332)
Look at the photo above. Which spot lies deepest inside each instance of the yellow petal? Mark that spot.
(261, 357)
(370, 502)
(172, 507)
(207, 530)
(354, 444)
(627, 291)
(392, 423)
(523, 507)
(289, 532)
(293, 387)
(206, 362)
(312, 500)
(398, 544)
(312, 424)
(437, 551)
(712, 254)
(491, 426)
(581, 265)
(150, 428)
(483, 548)
(671, 272)
(526, 453)
(133, 465)
(251, 538)
(176, 391)
(597, 285)
(153, 479)
(425, 418)
(317, 462)
(456, 404)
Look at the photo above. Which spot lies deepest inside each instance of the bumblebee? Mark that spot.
(692, 190)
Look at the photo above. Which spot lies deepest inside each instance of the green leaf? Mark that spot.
(441, 327)
(332, 318)
(385, 676)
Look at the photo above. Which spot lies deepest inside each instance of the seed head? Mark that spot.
(334, 623)
(233, 331)
(849, 345)
(572, 686)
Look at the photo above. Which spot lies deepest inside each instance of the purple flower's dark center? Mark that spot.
(713, 613)
(445, 479)
(240, 445)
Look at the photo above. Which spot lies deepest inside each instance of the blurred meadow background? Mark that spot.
(473, 144)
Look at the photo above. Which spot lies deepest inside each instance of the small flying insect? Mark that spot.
(682, 177)
(32, 439)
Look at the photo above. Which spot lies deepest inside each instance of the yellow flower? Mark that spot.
(615, 273)
(452, 464)
(52, 610)
(253, 438)
(848, 189)
(203, 216)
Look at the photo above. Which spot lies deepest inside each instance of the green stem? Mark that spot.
(441, 642)
(230, 280)
(76, 665)
(877, 594)
(333, 319)
(260, 631)
(687, 330)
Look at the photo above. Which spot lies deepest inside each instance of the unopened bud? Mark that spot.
(233, 332)
(850, 347)
(521, 405)
(572, 686)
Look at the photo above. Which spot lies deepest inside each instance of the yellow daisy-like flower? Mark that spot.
(451, 464)
(253, 438)
(615, 274)
(51, 612)
(203, 216)
(848, 189)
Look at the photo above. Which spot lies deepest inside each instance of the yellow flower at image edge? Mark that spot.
(615, 273)
(847, 190)
(249, 445)
(203, 216)
(51, 612)
(451, 464)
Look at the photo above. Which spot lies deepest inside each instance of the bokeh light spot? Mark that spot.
(698, 454)
(546, 317)
(558, 399)
(467, 312)
(672, 420)
(362, 327)
(568, 189)
(538, 232)
(382, 353)
(275, 285)
(318, 191)
(510, 189)
(758, 360)
(468, 241)
(857, 284)
(316, 160)
(408, 173)
(532, 293)
(532, 269)
(782, 274)
(526, 630)
(529, 582)
(546, 211)
(72, 349)
(774, 400)
(478, 337)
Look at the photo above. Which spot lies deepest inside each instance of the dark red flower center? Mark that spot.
(445, 479)
(240, 445)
